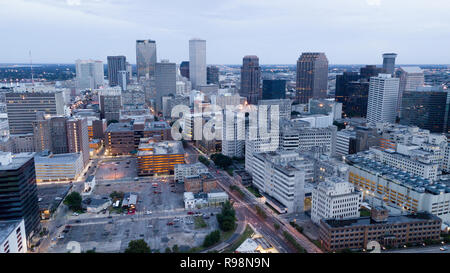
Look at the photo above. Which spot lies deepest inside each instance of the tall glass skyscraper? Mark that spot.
(312, 77)
(115, 64)
(197, 62)
(273, 89)
(251, 79)
(145, 58)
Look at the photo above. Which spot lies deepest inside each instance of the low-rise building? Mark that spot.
(335, 198)
(183, 170)
(356, 233)
(203, 182)
(256, 244)
(159, 157)
(58, 167)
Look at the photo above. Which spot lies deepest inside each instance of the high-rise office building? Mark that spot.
(123, 79)
(110, 104)
(89, 74)
(78, 137)
(115, 64)
(251, 79)
(197, 62)
(426, 109)
(184, 69)
(23, 106)
(383, 97)
(274, 89)
(145, 58)
(166, 79)
(352, 91)
(212, 74)
(411, 77)
(312, 77)
(370, 71)
(18, 191)
(389, 62)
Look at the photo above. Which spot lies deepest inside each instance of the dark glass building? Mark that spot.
(212, 75)
(370, 71)
(312, 77)
(426, 109)
(352, 91)
(251, 79)
(18, 190)
(274, 89)
(184, 69)
(115, 64)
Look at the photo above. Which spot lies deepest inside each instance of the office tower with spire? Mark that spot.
(312, 77)
(115, 65)
(197, 62)
(251, 79)
(383, 97)
(145, 59)
(389, 62)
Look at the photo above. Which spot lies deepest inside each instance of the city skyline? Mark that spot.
(356, 32)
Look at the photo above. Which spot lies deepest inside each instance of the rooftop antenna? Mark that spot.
(31, 68)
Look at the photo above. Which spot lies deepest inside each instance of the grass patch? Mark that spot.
(254, 191)
(297, 227)
(199, 222)
(237, 189)
(246, 234)
(364, 212)
(293, 242)
(230, 171)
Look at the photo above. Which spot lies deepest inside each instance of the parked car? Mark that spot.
(170, 223)
(443, 248)
(190, 212)
(78, 221)
(148, 212)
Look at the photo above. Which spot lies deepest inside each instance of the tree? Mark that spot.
(211, 239)
(175, 249)
(221, 160)
(203, 160)
(276, 226)
(168, 250)
(227, 217)
(138, 246)
(112, 121)
(73, 201)
(116, 195)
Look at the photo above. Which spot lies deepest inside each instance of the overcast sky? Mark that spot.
(277, 31)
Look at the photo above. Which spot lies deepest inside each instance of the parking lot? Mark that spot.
(160, 219)
(116, 168)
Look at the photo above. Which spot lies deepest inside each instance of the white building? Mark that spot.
(335, 198)
(12, 236)
(298, 135)
(344, 141)
(197, 62)
(233, 133)
(383, 99)
(281, 176)
(399, 188)
(58, 167)
(183, 170)
(89, 74)
(284, 106)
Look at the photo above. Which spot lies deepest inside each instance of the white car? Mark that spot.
(148, 212)
(60, 236)
(75, 214)
(443, 248)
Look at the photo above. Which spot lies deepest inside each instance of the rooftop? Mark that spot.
(119, 127)
(6, 227)
(365, 221)
(146, 147)
(57, 158)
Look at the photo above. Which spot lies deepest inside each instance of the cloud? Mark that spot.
(373, 2)
(73, 2)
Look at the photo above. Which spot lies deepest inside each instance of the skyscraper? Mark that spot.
(110, 103)
(166, 79)
(383, 97)
(274, 89)
(389, 62)
(145, 58)
(89, 74)
(184, 69)
(312, 76)
(212, 74)
(18, 191)
(251, 79)
(78, 137)
(197, 62)
(427, 108)
(115, 64)
(23, 106)
(411, 77)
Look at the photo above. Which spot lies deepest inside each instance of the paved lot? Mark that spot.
(116, 168)
(112, 232)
